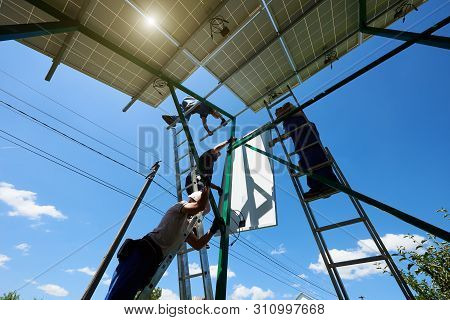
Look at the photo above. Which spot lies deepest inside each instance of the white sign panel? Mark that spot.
(253, 188)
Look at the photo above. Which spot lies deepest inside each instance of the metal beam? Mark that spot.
(22, 31)
(434, 41)
(311, 7)
(377, 204)
(58, 58)
(180, 48)
(42, 5)
(222, 270)
(337, 44)
(282, 42)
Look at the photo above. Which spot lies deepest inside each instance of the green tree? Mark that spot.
(156, 294)
(428, 269)
(12, 295)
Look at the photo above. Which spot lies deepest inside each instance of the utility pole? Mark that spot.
(107, 259)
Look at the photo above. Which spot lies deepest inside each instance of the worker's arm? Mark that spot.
(198, 243)
(192, 208)
(221, 145)
(216, 187)
(205, 125)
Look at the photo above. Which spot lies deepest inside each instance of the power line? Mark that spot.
(100, 181)
(47, 126)
(84, 118)
(73, 168)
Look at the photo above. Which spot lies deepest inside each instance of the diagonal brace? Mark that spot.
(22, 31)
(384, 207)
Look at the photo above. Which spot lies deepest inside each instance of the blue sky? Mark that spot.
(388, 131)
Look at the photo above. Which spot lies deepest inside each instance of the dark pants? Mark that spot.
(312, 156)
(134, 272)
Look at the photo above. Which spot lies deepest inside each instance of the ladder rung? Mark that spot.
(181, 143)
(318, 166)
(184, 189)
(179, 131)
(339, 224)
(184, 171)
(285, 135)
(303, 148)
(187, 251)
(357, 261)
(195, 275)
(182, 157)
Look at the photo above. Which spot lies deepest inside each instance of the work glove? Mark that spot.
(218, 223)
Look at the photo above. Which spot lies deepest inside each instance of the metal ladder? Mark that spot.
(331, 266)
(182, 257)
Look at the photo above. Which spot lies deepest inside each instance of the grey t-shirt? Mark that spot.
(171, 230)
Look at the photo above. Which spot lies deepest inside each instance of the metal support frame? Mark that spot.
(225, 207)
(42, 5)
(331, 266)
(123, 229)
(58, 58)
(428, 40)
(340, 84)
(22, 31)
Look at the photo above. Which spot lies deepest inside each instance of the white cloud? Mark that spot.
(288, 296)
(254, 293)
(280, 250)
(106, 281)
(213, 272)
(24, 247)
(85, 270)
(194, 268)
(365, 249)
(24, 204)
(54, 290)
(166, 274)
(303, 276)
(3, 259)
(167, 294)
(31, 281)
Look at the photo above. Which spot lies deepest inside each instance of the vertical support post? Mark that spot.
(362, 14)
(221, 284)
(107, 259)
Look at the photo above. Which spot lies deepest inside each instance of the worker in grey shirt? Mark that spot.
(140, 259)
(190, 106)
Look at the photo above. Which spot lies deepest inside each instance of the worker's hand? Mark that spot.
(218, 223)
(231, 140)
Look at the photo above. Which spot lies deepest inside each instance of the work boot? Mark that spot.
(169, 119)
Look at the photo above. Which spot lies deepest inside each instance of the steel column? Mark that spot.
(109, 255)
(22, 31)
(222, 270)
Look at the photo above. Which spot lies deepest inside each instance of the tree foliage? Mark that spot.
(12, 295)
(156, 294)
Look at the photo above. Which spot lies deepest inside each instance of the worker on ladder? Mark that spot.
(190, 106)
(307, 144)
(139, 259)
(206, 162)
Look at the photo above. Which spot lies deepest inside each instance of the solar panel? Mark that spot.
(251, 60)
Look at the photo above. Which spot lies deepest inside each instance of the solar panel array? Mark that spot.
(251, 60)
